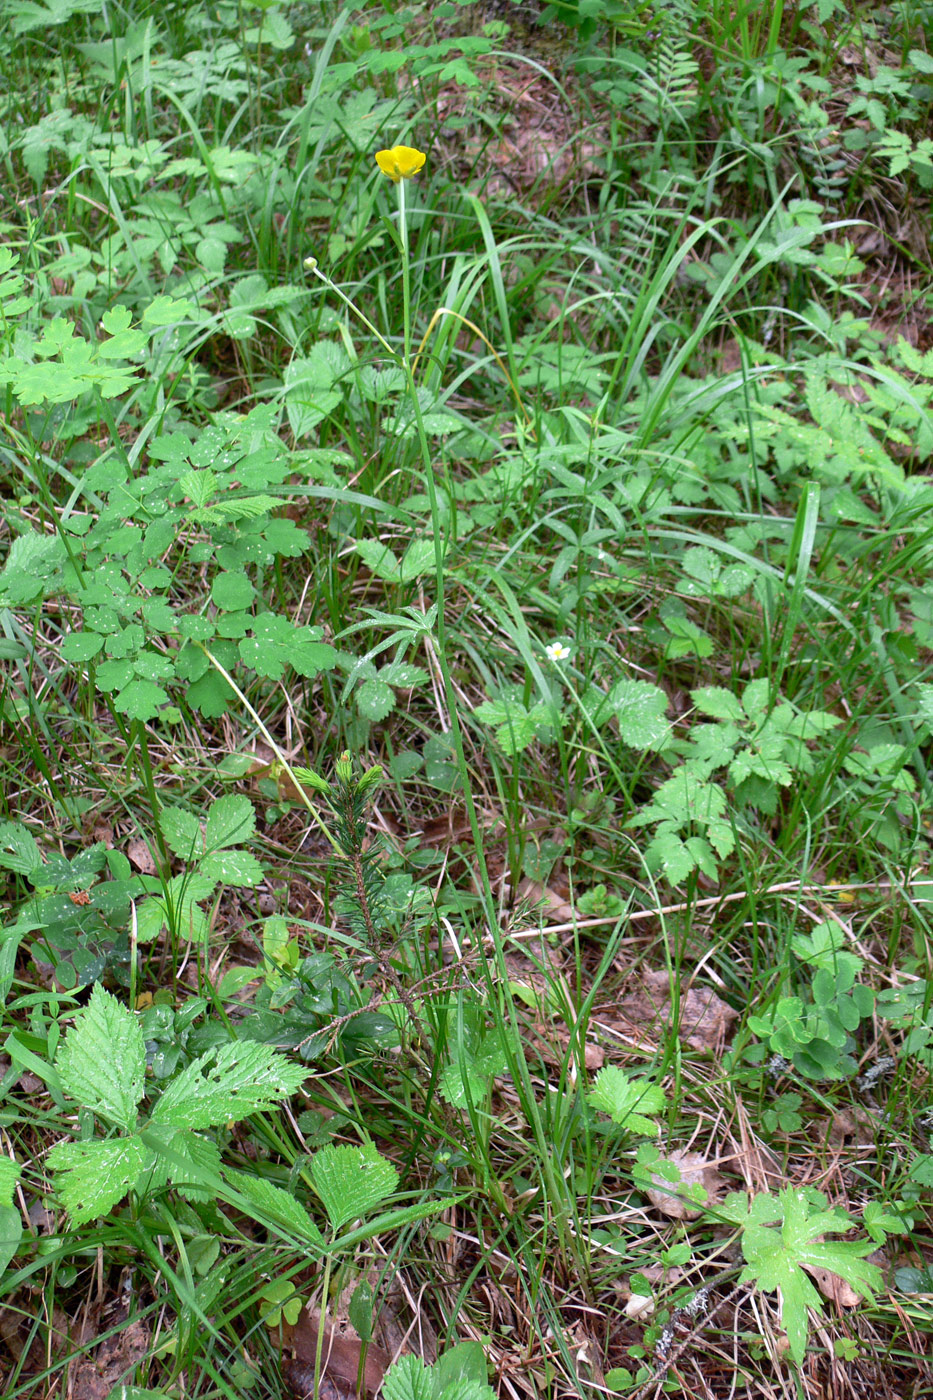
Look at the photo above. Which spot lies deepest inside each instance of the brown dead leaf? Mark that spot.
(705, 1019)
(30, 1349)
(587, 1353)
(447, 830)
(94, 1377)
(139, 854)
(833, 1287)
(546, 902)
(692, 1170)
(341, 1359)
(850, 1127)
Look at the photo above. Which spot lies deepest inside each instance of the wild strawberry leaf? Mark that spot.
(103, 1060)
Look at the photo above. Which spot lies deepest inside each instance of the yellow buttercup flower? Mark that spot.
(400, 163)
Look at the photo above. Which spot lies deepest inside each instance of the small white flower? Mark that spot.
(556, 651)
(310, 264)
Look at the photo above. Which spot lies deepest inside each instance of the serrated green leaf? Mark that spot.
(182, 832)
(18, 849)
(32, 566)
(275, 1203)
(409, 1378)
(177, 908)
(627, 1101)
(514, 738)
(459, 1374)
(92, 1177)
(186, 1159)
(407, 677)
(10, 1172)
(227, 1084)
(240, 869)
(230, 822)
(671, 856)
(102, 1062)
(379, 559)
(417, 560)
(718, 703)
(472, 1071)
(374, 700)
(777, 1257)
(11, 1234)
(639, 708)
(351, 1181)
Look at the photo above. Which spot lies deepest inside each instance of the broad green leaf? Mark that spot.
(407, 676)
(463, 1364)
(10, 939)
(92, 1177)
(718, 703)
(184, 1158)
(276, 645)
(409, 1378)
(27, 16)
(232, 592)
(81, 646)
(102, 1062)
(459, 1374)
(177, 909)
(351, 1181)
(141, 700)
(379, 559)
(18, 849)
(417, 560)
(10, 1172)
(182, 832)
(627, 1101)
(238, 868)
(11, 1221)
(32, 567)
(309, 395)
(227, 1084)
(782, 1238)
(11, 1234)
(230, 822)
(275, 1203)
(166, 311)
(374, 700)
(640, 709)
(671, 856)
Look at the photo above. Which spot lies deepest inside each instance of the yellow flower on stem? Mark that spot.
(400, 163)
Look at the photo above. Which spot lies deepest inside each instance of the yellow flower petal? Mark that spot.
(400, 163)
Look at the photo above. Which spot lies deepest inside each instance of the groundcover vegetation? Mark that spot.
(466, 699)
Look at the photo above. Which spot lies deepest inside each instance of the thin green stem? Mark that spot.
(499, 974)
